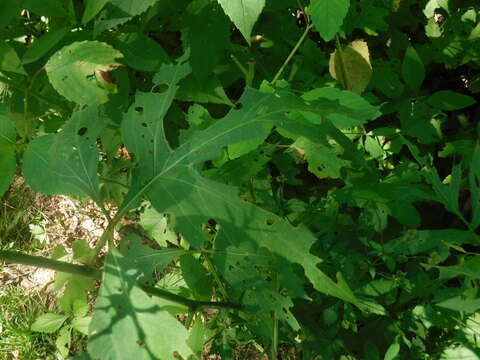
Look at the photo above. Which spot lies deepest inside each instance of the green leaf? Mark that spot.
(415, 118)
(8, 10)
(156, 226)
(460, 352)
(82, 252)
(393, 351)
(243, 13)
(351, 66)
(92, 8)
(8, 163)
(342, 108)
(469, 268)
(210, 91)
(49, 8)
(69, 158)
(75, 70)
(9, 60)
(127, 323)
(447, 194)
(146, 259)
(460, 303)
(196, 277)
(366, 15)
(450, 100)
(64, 341)
(207, 50)
(193, 200)
(424, 241)
(44, 44)
(197, 334)
(48, 323)
(474, 185)
(81, 324)
(140, 52)
(387, 80)
(117, 12)
(323, 161)
(413, 70)
(327, 16)
(81, 356)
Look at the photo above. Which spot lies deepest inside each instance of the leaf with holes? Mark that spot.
(69, 158)
(168, 178)
(75, 71)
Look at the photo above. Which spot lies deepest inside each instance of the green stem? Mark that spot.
(62, 266)
(214, 272)
(250, 73)
(111, 181)
(106, 236)
(239, 65)
(41, 262)
(342, 64)
(292, 53)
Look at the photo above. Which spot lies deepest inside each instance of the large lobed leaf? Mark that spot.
(169, 179)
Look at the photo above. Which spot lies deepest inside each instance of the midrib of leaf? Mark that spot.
(89, 179)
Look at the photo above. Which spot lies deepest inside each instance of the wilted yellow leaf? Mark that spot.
(351, 66)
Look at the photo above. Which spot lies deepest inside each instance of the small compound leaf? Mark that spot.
(327, 16)
(413, 70)
(351, 66)
(9, 60)
(73, 71)
(48, 323)
(127, 323)
(450, 100)
(243, 13)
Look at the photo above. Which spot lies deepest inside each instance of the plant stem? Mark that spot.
(42, 262)
(292, 53)
(62, 266)
(343, 75)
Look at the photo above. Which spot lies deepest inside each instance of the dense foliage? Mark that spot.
(312, 168)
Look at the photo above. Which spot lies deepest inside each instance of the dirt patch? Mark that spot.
(37, 223)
